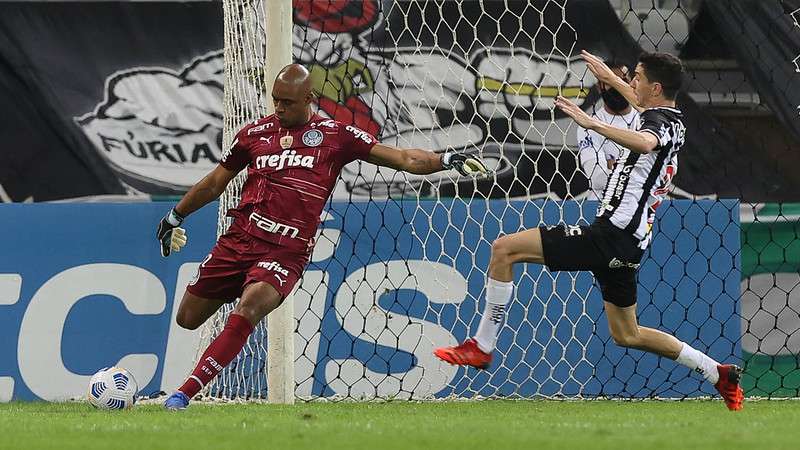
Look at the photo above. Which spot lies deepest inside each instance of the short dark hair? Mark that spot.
(665, 69)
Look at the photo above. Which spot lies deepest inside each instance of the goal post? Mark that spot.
(258, 43)
(280, 323)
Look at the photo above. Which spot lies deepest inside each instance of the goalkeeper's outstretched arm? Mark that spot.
(422, 162)
(205, 191)
(169, 233)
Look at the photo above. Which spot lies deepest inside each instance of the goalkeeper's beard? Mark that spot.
(614, 100)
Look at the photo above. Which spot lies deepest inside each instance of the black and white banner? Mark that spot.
(108, 98)
(126, 97)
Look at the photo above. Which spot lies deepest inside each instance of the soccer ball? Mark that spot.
(112, 388)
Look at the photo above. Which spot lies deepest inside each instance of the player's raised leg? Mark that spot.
(525, 246)
(258, 300)
(626, 332)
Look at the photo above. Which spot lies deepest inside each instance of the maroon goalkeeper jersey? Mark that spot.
(291, 172)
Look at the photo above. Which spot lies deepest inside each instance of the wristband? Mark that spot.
(173, 218)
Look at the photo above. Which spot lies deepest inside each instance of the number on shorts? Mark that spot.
(197, 274)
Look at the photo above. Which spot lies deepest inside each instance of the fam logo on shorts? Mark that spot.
(312, 138)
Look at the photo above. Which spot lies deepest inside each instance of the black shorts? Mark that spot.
(610, 253)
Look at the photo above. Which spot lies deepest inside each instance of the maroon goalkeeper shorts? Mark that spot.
(239, 259)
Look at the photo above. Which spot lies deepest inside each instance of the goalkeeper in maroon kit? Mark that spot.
(293, 159)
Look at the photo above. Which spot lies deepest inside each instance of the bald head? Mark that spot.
(295, 75)
(291, 95)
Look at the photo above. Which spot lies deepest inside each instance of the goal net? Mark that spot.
(401, 260)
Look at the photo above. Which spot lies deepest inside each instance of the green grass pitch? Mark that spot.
(486, 425)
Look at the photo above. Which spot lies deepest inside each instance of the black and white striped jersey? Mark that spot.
(640, 182)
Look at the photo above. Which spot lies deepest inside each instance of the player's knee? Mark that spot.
(625, 339)
(185, 320)
(253, 312)
(502, 250)
(256, 307)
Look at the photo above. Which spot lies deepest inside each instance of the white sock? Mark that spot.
(498, 294)
(699, 362)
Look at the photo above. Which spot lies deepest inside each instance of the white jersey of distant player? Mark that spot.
(640, 182)
(595, 150)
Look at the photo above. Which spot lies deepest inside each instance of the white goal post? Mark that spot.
(258, 43)
(280, 323)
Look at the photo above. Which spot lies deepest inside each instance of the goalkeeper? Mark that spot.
(596, 153)
(293, 159)
(611, 247)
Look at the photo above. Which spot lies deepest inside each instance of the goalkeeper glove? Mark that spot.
(171, 236)
(464, 164)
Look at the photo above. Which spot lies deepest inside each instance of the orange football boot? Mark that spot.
(728, 386)
(466, 354)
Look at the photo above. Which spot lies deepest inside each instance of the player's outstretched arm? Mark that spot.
(171, 236)
(636, 141)
(422, 162)
(603, 73)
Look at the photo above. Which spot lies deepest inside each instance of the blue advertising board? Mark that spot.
(82, 286)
